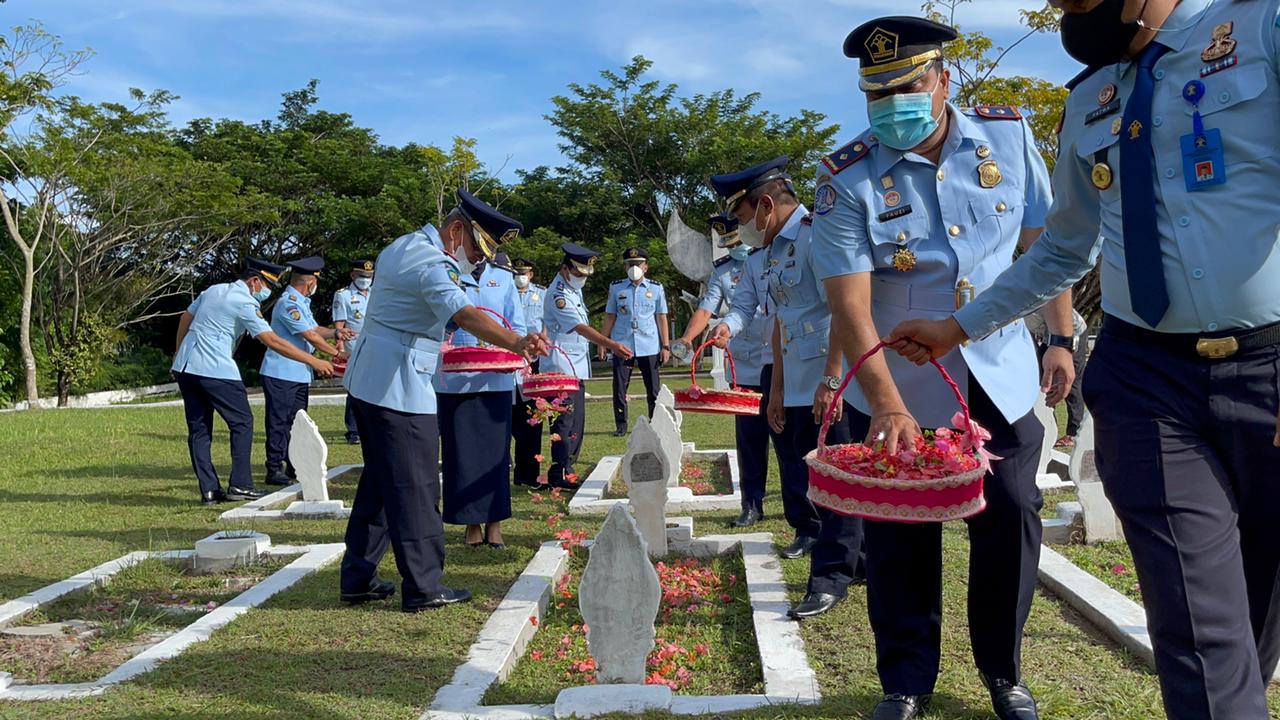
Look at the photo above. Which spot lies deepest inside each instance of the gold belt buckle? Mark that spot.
(1217, 348)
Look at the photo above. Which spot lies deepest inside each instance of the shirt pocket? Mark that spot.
(424, 361)
(887, 238)
(1247, 133)
(997, 219)
(1098, 144)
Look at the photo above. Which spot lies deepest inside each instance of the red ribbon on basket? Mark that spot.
(693, 366)
(975, 436)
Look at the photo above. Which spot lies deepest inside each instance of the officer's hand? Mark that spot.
(776, 413)
(323, 368)
(532, 346)
(920, 340)
(621, 351)
(721, 336)
(664, 356)
(894, 429)
(822, 399)
(340, 346)
(346, 334)
(601, 352)
(1059, 372)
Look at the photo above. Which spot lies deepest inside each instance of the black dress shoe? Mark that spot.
(1010, 700)
(900, 707)
(447, 596)
(497, 546)
(245, 493)
(353, 439)
(213, 497)
(798, 547)
(526, 483)
(813, 605)
(620, 433)
(278, 479)
(563, 484)
(749, 517)
(378, 590)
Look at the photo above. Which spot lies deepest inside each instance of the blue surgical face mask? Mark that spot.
(903, 121)
(739, 252)
(262, 294)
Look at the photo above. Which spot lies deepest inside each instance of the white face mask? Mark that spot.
(363, 283)
(522, 281)
(749, 235)
(635, 272)
(465, 266)
(577, 283)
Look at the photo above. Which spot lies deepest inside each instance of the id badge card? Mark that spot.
(1203, 161)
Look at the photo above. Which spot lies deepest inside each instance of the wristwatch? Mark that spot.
(832, 382)
(1070, 342)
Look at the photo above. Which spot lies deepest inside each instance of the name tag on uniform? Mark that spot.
(1203, 161)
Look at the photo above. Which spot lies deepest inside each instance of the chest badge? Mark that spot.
(1135, 130)
(886, 182)
(622, 309)
(903, 259)
(989, 174)
(791, 250)
(1222, 43)
(983, 152)
(649, 294)
(892, 198)
(1107, 94)
(493, 283)
(535, 297)
(358, 315)
(1101, 175)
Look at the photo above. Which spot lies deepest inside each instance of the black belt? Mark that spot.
(1211, 346)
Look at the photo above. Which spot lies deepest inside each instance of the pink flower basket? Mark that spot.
(735, 401)
(481, 358)
(936, 480)
(550, 384)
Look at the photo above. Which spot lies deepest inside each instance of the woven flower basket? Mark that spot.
(943, 482)
(734, 401)
(551, 384)
(481, 358)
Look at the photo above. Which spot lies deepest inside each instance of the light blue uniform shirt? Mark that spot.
(495, 290)
(395, 356)
(1221, 264)
(637, 306)
(349, 306)
(289, 319)
(749, 346)
(531, 299)
(751, 304)
(563, 309)
(222, 313)
(953, 221)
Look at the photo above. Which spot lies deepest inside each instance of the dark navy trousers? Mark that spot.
(528, 441)
(904, 565)
(569, 427)
(648, 365)
(473, 467)
(201, 398)
(284, 398)
(349, 419)
(397, 503)
(752, 443)
(798, 436)
(1184, 449)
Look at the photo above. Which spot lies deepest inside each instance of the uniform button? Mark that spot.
(1169, 173)
(1184, 221)
(1159, 74)
(1212, 326)
(902, 237)
(1001, 207)
(1197, 273)
(954, 230)
(1157, 121)
(1224, 96)
(942, 175)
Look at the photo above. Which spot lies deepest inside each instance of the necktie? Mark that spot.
(1144, 263)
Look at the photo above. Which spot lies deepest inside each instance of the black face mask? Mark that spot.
(1098, 37)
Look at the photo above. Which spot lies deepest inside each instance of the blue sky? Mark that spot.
(428, 70)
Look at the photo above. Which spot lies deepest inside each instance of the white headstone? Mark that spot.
(619, 598)
(667, 399)
(309, 453)
(646, 477)
(672, 446)
(1049, 420)
(1100, 522)
(719, 370)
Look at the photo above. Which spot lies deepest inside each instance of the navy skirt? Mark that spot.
(475, 456)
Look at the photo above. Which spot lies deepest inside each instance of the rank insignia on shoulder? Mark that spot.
(561, 303)
(293, 297)
(997, 112)
(846, 156)
(259, 311)
(721, 261)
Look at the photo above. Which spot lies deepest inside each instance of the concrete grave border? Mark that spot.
(590, 500)
(312, 558)
(262, 508)
(788, 677)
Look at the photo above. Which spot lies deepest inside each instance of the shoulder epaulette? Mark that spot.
(997, 112)
(754, 251)
(617, 282)
(722, 261)
(655, 282)
(1084, 75)
(807, 219)
(846, 156)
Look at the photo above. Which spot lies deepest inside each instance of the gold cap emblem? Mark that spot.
(882, 45)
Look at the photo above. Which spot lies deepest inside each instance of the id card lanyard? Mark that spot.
(1203, 160)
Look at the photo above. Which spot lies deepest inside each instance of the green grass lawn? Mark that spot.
(81, 487)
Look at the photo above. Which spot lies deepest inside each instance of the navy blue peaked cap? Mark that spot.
(733, 187)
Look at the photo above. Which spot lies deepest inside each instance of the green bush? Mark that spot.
(135, 367)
